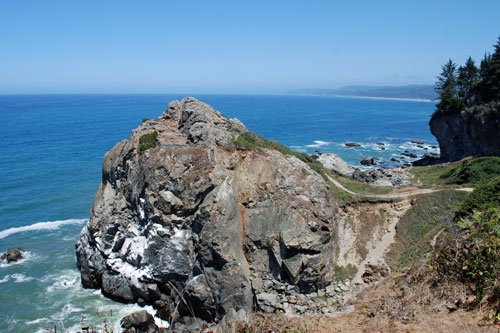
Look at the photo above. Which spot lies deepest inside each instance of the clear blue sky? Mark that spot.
(235, 46)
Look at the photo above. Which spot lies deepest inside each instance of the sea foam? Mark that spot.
(18, 278)
(51, 225)
(318, 143)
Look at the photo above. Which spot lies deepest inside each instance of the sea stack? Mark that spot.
(184, 210)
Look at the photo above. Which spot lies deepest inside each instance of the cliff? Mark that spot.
(467, 134)
(181, 210)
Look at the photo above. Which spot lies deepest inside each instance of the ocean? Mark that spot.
(51, 152)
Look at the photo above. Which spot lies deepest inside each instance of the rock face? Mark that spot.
(460, 136)
(195, 216)
(333, 161)
(13, 255)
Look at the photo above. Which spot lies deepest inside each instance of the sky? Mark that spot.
(235, 46)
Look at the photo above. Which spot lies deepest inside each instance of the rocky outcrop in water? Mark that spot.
(460, 135)
(182, 210)
(13, 255)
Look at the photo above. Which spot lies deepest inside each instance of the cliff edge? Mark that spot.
(466, 133)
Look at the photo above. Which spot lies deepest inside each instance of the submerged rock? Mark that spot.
(13, 255)
(197, 213)
(352, 144)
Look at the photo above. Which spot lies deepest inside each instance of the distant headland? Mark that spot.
(409, 92)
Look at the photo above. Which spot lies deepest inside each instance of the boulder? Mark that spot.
(352, 144)
(334, 162)
(374, 272)
(368, 161)
(417, 142)
(139, 322)
(201, 214)
(13, 255)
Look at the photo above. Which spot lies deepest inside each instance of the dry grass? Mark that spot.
(386, 307)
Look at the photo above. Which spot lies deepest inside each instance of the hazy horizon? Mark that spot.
(225, 47)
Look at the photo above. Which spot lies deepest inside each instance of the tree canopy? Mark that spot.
(469, 87)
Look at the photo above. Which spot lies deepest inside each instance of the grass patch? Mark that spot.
(417, 228)
(148, 140)
(345, 272)
(473, 171)
(484, 197)
(430, 175)
(341, 195)
(470, 171)
(359, 187)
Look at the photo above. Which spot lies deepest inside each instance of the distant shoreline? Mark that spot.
(373, 97)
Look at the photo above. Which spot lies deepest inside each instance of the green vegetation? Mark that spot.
(249, 140)
(345, 272)
(484, 197)
(429, 176)
(469, 172)
(473, 171)
(341, 195)
(458, 234)
(148, 140)
(358, 187)
(469, 88)
(145, 119)
(473, 258)
(421, 223)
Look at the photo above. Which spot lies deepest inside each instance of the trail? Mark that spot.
(400, 195)
(378, 249)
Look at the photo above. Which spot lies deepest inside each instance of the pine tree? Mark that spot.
(490, 72)
(485, 64)
(468, 75)
(446, 87)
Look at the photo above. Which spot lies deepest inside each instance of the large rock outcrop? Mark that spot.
(460, 135)
(193, 215)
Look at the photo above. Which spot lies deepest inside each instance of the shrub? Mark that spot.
(484, 197)
(148, 140)
(473, 258)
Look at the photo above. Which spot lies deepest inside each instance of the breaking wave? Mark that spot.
(51, 225)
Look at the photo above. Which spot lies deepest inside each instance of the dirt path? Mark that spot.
(400, 195)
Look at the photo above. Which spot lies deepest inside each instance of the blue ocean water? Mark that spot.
(51, 152)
